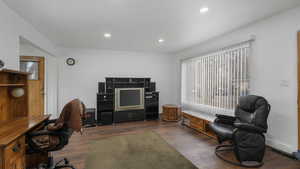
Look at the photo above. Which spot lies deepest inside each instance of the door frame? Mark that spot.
(298, 85)
(41, 60)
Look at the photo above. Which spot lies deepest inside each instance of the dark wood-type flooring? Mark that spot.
(196, 147)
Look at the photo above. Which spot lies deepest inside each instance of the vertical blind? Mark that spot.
(212, 83)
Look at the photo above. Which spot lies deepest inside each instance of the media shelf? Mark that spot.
(106, 113)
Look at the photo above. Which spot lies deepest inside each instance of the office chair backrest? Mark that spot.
(71, 115)
(55, 137)
(73, 108)
(253, 110)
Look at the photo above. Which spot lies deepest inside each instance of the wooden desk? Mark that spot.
(12, 141)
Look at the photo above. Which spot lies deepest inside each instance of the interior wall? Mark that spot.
(92, 66)
(273, 70)
(12, 28)
(51, 76)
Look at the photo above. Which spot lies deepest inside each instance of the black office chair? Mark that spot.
(56, 136)
(245, 131)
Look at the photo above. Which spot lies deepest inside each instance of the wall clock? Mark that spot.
(70, 61)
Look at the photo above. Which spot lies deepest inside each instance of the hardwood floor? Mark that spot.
(196, 147)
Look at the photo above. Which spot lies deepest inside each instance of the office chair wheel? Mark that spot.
(247, 164)
(43, 166)
(63, 164)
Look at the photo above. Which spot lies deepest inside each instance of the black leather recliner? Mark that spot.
(245, 131)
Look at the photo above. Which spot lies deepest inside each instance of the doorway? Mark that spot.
(36, 81)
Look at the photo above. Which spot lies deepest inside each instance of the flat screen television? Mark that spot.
(129, 99)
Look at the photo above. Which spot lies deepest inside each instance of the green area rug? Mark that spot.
(136, 151)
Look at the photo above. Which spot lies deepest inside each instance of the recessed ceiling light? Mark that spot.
(161, 40)
(204, 10)
(107, 35)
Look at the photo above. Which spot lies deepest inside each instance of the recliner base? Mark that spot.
(247, 164)
(297, 155)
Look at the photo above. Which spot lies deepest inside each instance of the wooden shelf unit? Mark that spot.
(16, 122)
(198, 123)
(13, 119)
(12, 108)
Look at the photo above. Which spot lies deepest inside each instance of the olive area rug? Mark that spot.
(145, 150)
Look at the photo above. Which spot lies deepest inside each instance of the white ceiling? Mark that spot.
(136, 25)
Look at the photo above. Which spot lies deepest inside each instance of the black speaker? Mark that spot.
(89, 120)
(152, 87)
(152, 105)
(101, 87)
(106, 118)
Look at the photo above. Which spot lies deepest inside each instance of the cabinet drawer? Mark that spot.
(17, 162)
(195, 119)
(14, 154)
(192, 118)
(15, 148)
(198, 125)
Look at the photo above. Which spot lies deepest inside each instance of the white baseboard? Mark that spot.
(280, 146)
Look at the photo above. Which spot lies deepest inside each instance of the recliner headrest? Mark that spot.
(251, 102)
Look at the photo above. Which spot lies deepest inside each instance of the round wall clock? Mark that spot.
(70, 61)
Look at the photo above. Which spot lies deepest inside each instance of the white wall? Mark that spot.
(11, 28)
(51, 76)
(92, 66)
(273, 70)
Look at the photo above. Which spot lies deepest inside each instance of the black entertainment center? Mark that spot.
(126, 99)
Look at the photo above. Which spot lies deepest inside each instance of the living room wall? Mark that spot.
(15, 29)
(12, 28)
(92, 66)
(273, 70)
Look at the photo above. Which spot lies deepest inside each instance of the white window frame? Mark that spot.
(213, 82)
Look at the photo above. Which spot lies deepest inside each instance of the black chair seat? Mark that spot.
(223, 131)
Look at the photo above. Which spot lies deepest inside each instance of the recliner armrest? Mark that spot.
(221, 116)
(249, 127)
(225, 119)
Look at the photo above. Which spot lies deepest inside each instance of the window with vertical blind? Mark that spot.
(213, 82)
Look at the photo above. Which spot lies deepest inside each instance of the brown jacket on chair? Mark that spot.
(70, 116)
(69, 120)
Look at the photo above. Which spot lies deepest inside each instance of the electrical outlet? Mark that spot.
(284, 83)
